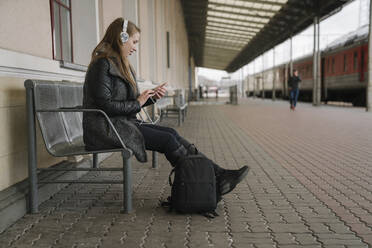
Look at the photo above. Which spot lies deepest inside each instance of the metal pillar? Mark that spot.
(190, 82)
(127, 189)
(242, 86)
(95, 160)
(316, 64)
(274, 76)
(369, 82)
(262, 79)
(285, 93)
(154, 153)
(254, 80)
(248, 89)
(32, 161)
(291, 58)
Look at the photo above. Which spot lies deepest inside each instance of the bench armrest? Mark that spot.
(77, 109)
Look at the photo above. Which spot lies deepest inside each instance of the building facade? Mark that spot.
(35, 36)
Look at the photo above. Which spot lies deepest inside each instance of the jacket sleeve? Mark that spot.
(101, 88)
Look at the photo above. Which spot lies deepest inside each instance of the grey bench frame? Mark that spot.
(179, 108)
(73, 149)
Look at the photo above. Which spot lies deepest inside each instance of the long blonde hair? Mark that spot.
(109, 48)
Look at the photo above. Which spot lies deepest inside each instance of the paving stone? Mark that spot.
(307, 187)
(285, 239)
(289, 228)
(306, 239)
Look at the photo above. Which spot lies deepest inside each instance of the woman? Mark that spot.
(110, 85)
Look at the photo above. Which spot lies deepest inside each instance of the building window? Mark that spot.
(345, 63)
(61, 30)
(355, 61)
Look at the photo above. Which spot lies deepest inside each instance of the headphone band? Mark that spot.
(125, 25)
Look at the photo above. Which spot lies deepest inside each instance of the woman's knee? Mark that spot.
(170, 142)
(172, 131)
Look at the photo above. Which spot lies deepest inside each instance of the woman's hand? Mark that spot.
(160, 91)
(142, 99)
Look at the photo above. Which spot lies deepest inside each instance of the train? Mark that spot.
(343, 73)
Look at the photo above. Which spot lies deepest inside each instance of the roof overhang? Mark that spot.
(228, 34)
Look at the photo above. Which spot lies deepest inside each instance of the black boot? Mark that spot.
(228, 179)
(175, 155)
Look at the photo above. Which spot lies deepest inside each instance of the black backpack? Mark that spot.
(194, 187)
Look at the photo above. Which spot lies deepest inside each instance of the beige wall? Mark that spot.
(13, 134)
(109, 10)
(168, 16)
(25, 27)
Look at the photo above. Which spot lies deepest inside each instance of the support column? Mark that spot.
(369, 82)
(243, 82)
(316, 64)
(285, 88)
(254, 79)
(248, 83)
(262, 79)
(274, 76)
(291, 57)
(190, 81)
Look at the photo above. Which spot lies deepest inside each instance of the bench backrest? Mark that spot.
(61, 131)
(179, 97)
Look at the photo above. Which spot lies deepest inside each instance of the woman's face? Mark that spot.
(129, 47)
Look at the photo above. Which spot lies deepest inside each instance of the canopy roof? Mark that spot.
(227, 34)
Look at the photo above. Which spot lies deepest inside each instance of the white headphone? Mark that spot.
(124, 36)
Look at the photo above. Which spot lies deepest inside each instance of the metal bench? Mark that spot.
(178, 108)
(58, 108)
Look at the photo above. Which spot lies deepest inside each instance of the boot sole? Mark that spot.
(231, 187)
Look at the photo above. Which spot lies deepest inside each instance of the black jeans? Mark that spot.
(159, 138)
(165, 140)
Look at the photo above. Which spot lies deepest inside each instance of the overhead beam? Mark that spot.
(239, 14)
(264, 2)
(233, 29)
(241, 7)
(236, 19)
(228, 38)
(237, 25)
(228, 32)
(258, 46)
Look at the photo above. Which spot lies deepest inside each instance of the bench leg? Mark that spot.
(95, 160)
(127, 185)
(154, 159)
(179, 117)
(32, 162)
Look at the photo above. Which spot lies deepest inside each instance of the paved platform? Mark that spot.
(309, 186)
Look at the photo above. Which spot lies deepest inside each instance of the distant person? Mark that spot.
(293, 84)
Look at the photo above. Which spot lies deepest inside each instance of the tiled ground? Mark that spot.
(309, 186)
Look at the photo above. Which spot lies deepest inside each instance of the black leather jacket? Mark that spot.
(106, 89)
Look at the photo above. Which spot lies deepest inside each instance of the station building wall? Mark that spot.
(26, 51)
